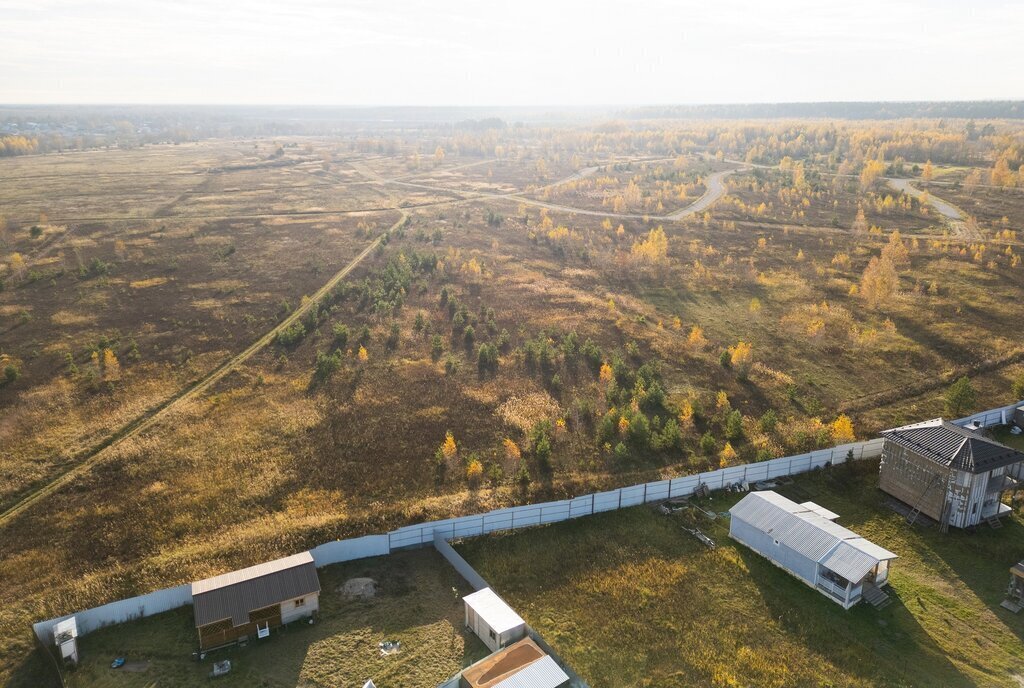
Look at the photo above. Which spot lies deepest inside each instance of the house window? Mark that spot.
(301, 602)
(974, 508)
(490, 631)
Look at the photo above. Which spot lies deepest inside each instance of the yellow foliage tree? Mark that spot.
(928, 172)
(896, 250)
(742, 358)
(111, 366)
(474, 471)
(653, 249)
(606, 373)
(512, 452)
(439, 155)
(17, 264)
(727, 456)
(363, 356)
(448, 447)
(842, 430)
(879, 282)
(696, 339)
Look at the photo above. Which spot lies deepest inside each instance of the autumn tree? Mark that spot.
(727, 457)
(17, 265)
(879, 282)
(111, 366)
(448, 448)
(696, 338)
(896, 251)
(742, 358)
(872, 171)
(474, 472)
(860, 224)
(512, 452)
(842, 430)
(928, 172)
(438, 155)
(1001, 174)
(653, 250)
(363, 356)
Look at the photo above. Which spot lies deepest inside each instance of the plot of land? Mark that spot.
(629, 599)
(417, 603)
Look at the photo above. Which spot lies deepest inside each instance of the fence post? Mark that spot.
(620, 498)
(645, 494)
(591, 503)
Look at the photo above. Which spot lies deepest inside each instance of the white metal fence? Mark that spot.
(512, 518)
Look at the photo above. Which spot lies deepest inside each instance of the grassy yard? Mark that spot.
(629, 599)
(415, 604)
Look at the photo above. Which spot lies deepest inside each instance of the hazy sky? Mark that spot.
(527, 52)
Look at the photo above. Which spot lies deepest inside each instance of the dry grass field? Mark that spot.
(563, 352)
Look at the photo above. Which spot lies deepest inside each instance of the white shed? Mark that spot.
(496, 623)
(805, 540)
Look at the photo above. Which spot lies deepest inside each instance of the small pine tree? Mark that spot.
(960, 398)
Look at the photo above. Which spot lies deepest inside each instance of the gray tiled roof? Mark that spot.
(233, 595)
(952, 446)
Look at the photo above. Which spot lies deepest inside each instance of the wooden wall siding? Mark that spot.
(905, 475)
(222, 632)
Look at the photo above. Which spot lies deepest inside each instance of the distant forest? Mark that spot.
(981, 109)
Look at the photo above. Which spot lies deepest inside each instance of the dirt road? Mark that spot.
(82, 461)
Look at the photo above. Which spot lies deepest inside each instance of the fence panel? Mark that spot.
(605, 501)
(517, 517)
(458, 563)
(120, 611)
(553, 512)
(632, 496)
(658, 491)
(682, 487)
(580, 506)
(347, 550)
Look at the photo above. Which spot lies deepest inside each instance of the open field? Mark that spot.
(564, 352)
(414, 604)
(629, 599)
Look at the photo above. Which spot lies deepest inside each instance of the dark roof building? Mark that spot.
(953, 446)
(951, 474)
(251, 601)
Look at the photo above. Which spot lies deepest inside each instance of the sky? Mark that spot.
(492, 52)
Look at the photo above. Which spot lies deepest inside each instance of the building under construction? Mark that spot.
(951, 474)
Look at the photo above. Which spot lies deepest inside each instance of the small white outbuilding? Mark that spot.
(496, 623)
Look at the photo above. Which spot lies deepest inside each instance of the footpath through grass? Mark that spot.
(630, 599)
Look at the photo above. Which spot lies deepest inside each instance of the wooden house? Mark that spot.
(951, 474)
(248, 603)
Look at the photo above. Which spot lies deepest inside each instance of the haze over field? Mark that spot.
(463, 52)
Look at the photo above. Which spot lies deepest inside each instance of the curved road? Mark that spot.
(953, 216)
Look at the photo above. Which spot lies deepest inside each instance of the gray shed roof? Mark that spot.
(233, 595)
(803, 529)
(951, 446)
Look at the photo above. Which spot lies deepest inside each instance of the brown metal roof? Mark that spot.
(953, 446)
(233, 595)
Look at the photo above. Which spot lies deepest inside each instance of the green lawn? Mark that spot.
(629, 599)
(415, 604)
(1003, 434)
